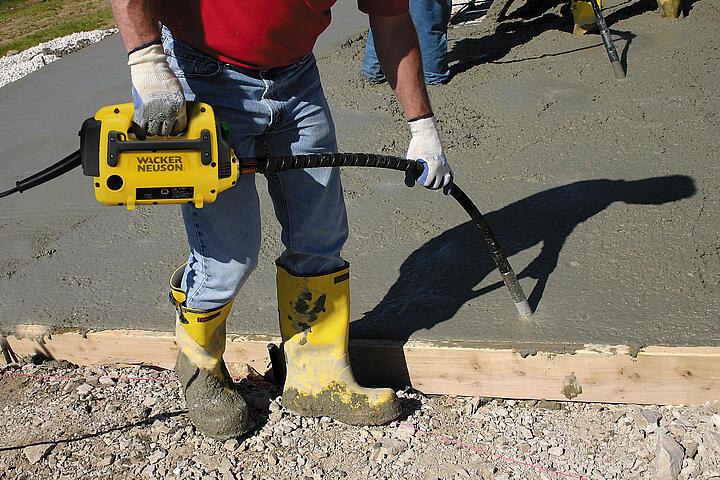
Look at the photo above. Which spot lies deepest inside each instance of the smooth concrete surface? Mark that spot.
(604, 194)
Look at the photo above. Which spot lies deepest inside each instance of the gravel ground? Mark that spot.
(14, 67)
(62, 421)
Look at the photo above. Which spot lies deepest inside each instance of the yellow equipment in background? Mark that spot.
(584, 16)
(192, 168)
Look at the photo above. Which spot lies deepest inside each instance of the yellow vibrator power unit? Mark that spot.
(191, 168)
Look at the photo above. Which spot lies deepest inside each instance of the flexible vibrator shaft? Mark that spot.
(289, 162)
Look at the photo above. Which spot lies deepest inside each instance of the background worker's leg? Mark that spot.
(430, 18)
(583, 16)
(371, 69)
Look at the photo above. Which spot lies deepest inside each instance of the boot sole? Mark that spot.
(364, 415)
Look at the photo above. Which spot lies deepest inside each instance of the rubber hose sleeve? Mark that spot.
(281, 163)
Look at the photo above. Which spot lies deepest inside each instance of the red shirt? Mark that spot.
(258, 34)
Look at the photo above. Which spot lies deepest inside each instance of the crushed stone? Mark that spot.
(134, 428)
(14, 66)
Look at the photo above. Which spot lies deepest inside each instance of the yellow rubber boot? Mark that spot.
(669, 8)
(214, 406)
(315, 321)
(583, 16)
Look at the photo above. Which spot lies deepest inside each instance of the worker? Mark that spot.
(584, 16)
(431, 18)
(252, 62)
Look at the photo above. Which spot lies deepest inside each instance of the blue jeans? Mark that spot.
(269, 112)
(431, 18)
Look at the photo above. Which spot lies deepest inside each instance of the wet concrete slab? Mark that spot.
(605, 196)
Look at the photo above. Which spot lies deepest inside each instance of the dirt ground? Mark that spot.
(63, 422)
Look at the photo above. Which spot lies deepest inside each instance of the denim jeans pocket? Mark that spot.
(191, 63)
(197, 68)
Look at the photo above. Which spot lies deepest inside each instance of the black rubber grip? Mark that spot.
(281, 163)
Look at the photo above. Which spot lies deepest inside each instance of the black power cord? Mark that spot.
(53, 171)
(8, 192)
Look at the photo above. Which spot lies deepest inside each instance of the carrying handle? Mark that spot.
(116, 145)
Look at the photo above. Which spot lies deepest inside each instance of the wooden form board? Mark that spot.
(656, 375)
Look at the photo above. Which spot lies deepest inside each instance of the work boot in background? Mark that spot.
(669, 8)
(314, 321)
(584, 16)
(214, 406)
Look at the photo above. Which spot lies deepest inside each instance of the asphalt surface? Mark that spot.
(604, 194)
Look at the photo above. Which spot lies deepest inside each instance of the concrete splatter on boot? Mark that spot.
(314, 321)
(214, 406)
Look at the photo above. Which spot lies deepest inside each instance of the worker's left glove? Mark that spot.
(157, 94)
(425, 147)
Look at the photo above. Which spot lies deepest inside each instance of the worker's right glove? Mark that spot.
(157, 94)
(425, 147)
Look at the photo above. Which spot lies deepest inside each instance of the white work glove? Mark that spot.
(157, 94)
(426, 148)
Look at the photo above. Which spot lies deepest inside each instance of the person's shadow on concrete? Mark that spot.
(437, 279)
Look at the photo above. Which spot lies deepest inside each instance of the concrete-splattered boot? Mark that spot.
(584, 16)
(669, 8)
(214, 406)
(314, 321)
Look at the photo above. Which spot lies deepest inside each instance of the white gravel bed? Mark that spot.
(60, 421)
(17, 65)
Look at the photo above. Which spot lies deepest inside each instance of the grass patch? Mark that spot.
(25, 23)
